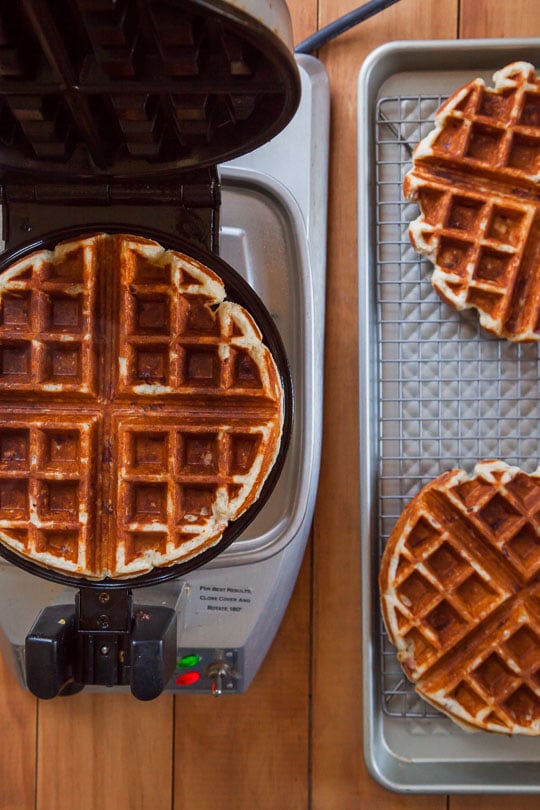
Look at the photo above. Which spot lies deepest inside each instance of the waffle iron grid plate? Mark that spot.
(436, 393)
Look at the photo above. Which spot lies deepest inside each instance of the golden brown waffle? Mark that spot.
(140, 411)
(460, 593)
(476, 178)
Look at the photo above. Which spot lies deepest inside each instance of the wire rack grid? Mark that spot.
(450, 394)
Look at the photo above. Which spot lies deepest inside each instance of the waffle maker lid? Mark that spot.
(98, 92)
(95, 89)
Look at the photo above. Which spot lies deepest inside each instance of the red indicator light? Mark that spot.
(188, 678)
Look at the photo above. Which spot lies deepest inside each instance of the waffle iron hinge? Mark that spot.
(186, 207)
(103, 640)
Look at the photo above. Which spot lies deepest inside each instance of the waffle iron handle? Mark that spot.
(49, 652)
(71, 646)
(153, 650)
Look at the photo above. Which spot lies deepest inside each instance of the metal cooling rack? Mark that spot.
(450, 394)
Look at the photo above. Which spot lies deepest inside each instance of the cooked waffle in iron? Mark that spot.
(460, 593)
(476, 178)
(140, 411)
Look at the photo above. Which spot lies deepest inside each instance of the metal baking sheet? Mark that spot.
(436, 392)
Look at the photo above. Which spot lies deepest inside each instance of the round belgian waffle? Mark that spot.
(141, 412)
(476, 179)
(460, 593)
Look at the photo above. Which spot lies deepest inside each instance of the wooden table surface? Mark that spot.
(294, 741)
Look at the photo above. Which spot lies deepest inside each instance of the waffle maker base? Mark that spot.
(224, 620)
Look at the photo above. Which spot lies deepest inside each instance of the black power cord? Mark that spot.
(342, 24)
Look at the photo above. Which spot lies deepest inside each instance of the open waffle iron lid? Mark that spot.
(101, 91)
(119, 88)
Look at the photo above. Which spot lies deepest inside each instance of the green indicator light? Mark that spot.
(188, 660)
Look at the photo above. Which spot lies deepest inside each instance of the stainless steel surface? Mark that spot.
(273, 221)
(273, 232)
(436, 392)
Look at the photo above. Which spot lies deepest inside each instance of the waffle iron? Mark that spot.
(114, 114)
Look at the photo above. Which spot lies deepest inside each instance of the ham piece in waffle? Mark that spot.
(476, 178)
(141, 412)
(460, 593)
